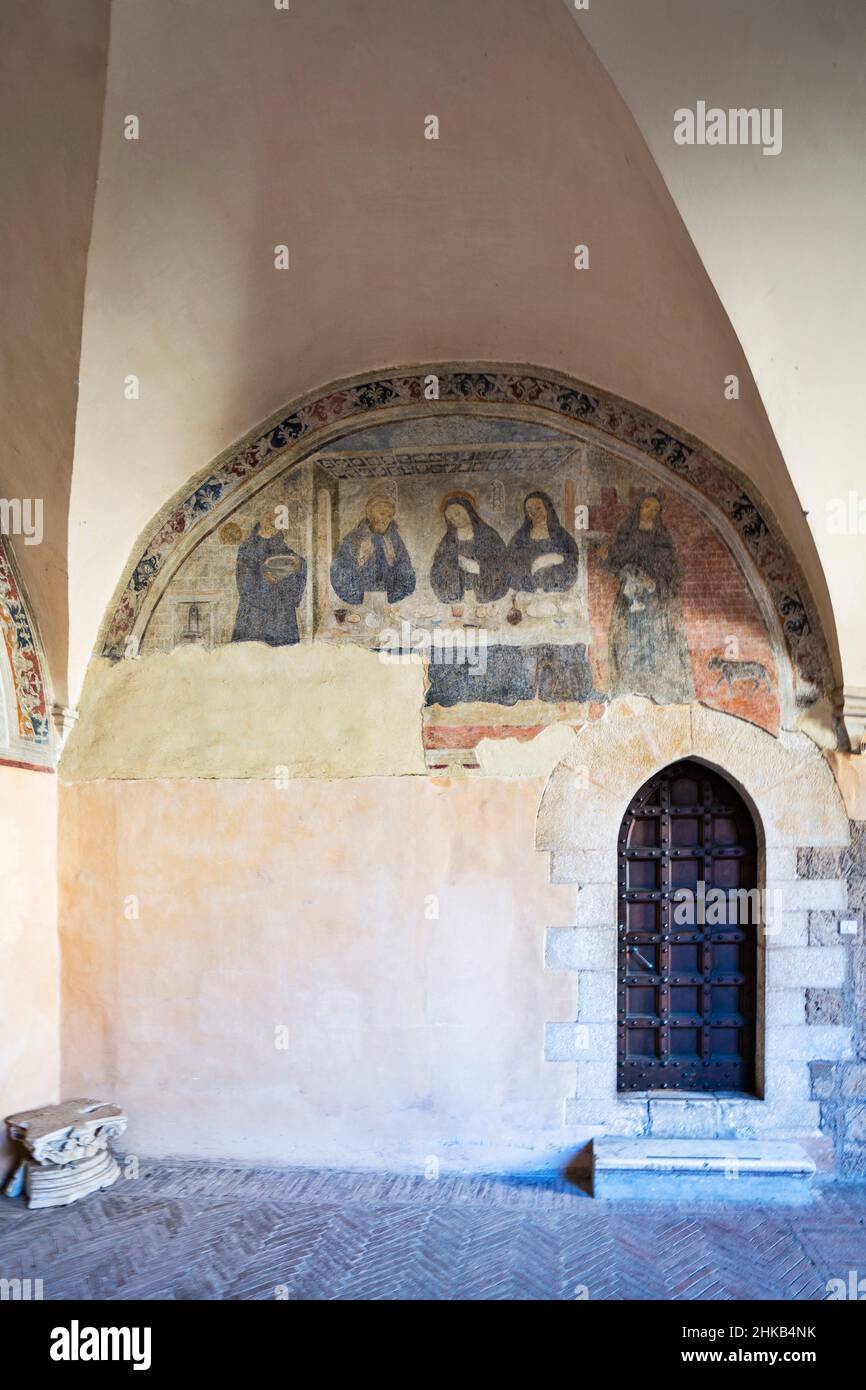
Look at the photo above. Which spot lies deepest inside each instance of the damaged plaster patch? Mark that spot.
(536, 757)
(248, 710)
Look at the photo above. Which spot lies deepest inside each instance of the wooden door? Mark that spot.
(687, 954)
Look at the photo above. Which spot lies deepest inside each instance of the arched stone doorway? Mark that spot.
(793, 801)
(688, 919)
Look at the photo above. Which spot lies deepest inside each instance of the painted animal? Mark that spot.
(731, 671)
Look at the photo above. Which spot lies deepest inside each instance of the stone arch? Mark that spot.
(790, 790)
(530, 393)
(26, 737)
(638, 738)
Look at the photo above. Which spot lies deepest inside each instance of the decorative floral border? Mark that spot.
(33, 724)
(617, 419)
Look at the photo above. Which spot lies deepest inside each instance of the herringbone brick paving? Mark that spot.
(208, 1231)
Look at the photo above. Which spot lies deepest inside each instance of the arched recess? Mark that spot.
(577, 410)
(790, 791)
(25, 728)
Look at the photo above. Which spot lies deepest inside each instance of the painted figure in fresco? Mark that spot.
(270, 579)
(372, 558)
(647, 646)
(471, 555)
(542, 556)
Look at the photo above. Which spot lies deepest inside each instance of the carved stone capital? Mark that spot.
(66, 1149)
(63, 717)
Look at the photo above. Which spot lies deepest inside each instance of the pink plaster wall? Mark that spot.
(29, 956)
(260, 907)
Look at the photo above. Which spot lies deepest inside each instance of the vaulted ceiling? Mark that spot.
(780, 237)
(154, 258)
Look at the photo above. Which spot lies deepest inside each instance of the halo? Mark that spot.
(380, 497)
(458, 496)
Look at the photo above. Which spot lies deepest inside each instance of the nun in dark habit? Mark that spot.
(270, 579)
(647, 647)
(471, 555)
(542, 556)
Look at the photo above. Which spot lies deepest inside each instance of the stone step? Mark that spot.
(701, 1170)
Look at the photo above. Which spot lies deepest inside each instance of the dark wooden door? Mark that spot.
(687, 958)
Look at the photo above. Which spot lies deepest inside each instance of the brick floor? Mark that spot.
(194, 1231)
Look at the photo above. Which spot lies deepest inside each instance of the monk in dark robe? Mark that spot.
(647, 647)
(542, 556)
(372, 558)
(471, 555)
(270, 579)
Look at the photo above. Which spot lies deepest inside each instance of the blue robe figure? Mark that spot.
(372, 558)
(271, 578)
(542, 556)
(471, 555)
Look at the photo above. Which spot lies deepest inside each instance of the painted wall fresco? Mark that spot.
(29, 730)
(487, 387)
(537, 578)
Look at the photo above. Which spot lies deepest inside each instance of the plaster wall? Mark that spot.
(850, 773)
(248, 711)
(395, 928)
(30, 973)
(376, 971)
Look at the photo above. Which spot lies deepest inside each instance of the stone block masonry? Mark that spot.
(839, 1081)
